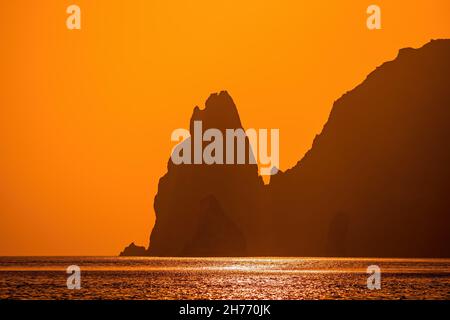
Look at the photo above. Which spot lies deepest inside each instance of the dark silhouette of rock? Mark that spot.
(375, 182)
(236, 190)
(134, 250)
(382, 158)
(337, 235)
(216, 234)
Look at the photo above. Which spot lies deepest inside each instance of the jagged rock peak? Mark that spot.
(220, 112)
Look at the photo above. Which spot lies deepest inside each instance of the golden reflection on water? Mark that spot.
(223, 278)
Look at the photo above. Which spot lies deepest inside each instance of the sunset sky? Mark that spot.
(86, 115)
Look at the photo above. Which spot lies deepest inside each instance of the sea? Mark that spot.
(223, 278)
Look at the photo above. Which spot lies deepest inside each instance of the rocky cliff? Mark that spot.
(209, 209)
(375, 182)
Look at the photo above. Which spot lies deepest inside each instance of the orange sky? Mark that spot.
(86, 116)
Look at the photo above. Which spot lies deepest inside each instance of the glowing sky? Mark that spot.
(86, 115)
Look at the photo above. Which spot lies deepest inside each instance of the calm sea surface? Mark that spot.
(222, 278)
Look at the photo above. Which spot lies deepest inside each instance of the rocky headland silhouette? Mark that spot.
(133, 250)
(375, 182)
